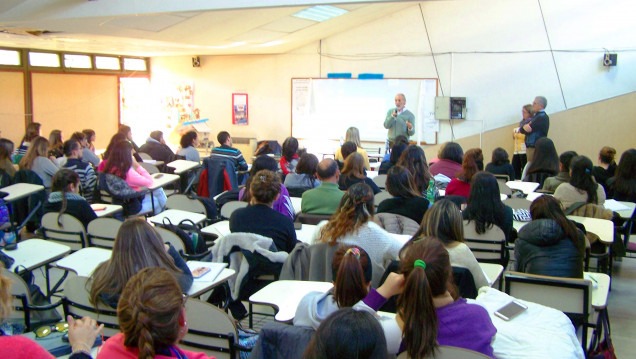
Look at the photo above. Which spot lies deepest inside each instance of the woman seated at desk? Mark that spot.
(37, 160)
(282, 203)
(137, 246)
(353, 172)
(152, 318)
(582, 187)
(304, 176)
(406, 200)
(65, 198)
(485, 208)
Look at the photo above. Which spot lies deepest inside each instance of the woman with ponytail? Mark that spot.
(352, 224)
(352, 273)
(582, 186)
(473, 162)
(152, 318)
(65, 198)
(429, 311)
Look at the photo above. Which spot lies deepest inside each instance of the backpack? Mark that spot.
(190, 235)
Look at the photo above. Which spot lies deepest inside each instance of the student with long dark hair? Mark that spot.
(394, 156)
(500, 164)
(121, 163)
(65, 198)
(348, 333)
(137, 246)
(86, 154)
(550, 244)
(414, 159)
(582, 186)
(304, 176)
(543, 164)
(352, 272)
(353, 172)
(6, 149)
(444, 221)
(289, 159)
(450, 161)
(551, 183)
(622, 186)
(485, 207)
(406, 201)
(352, 224)
(429, 310)
(282, 204)
(55, 144)
(118, 137)
(473, 162)
(32, 131)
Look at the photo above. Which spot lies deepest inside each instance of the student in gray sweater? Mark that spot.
(36, 161)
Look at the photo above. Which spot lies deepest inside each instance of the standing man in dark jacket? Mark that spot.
(537, 127)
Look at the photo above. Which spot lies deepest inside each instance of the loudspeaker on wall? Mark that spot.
(196, 61)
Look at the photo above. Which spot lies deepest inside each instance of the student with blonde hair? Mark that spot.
(36, 160)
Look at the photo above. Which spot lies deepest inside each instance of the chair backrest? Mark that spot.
(489, 247)
(210, 330)
(380, 181)
(503, 187)
(102, 231)
(71, 232)
(381, 196)
(105, 196)
(571, 296)
(395, 223)
(275, 335)
(145, 156)
(306, 218)
(21, 300)
(230, 207)
(172, 238)
(150, 168)
(297, 191)
(77, 304)
(518, 203)
(448, 352)
(185, 203)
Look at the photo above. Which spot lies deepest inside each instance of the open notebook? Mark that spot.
(215, 270)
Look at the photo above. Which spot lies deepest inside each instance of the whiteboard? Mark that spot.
(325, 108)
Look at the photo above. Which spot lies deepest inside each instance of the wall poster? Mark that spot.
(239, 109)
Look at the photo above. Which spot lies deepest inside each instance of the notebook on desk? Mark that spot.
(215, 270)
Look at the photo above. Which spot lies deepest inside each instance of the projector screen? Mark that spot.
(325, 108)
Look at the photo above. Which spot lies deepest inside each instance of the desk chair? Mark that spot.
(488, 247)
(230, 207)
(76, 304)
(381, 196)
(70, 231)
(380, 181)
(185, 203)
(314, 219)
(448, 352)
(503, 187)
(24, 309)
(552, 292)
(210, 330)
(171, 238)
(102, 231)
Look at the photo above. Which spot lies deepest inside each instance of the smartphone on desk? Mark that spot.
(511, 310)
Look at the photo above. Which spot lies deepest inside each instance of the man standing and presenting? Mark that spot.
(399, 121)
(537, 127)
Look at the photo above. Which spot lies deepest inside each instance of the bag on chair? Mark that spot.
(604, 348)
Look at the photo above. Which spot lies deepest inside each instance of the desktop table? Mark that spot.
(492, 271)
(108, 209)
(296, 203)
(525, 187)
(217, 276)
(176, 216)
(182, 166)
(35, 253)
(222, 229)
(600, 290)
(285, 295)
(624, 209)
(16, 192)
(84, 261)
(160, 180)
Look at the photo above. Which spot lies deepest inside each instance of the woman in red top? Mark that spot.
(289, 160)
(473, 162)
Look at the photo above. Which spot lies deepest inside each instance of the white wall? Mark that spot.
(518, 65)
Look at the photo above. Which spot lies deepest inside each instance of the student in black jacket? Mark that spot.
(156, 147)
(65, 198)
(406, 200)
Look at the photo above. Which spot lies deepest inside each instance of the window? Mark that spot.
(135, 64)
(107, 63)
(9, 57)
(77, 61)
(44, 59)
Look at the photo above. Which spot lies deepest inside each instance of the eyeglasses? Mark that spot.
(42, 332)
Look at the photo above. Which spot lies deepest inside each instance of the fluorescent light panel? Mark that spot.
(320, 13)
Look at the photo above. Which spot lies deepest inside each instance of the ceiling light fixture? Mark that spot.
(271, 43)
(320, 13)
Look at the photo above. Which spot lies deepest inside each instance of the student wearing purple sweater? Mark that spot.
(429, 312)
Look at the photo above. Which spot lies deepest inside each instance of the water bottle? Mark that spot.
(430, 191)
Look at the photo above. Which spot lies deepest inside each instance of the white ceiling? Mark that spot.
(173, 27)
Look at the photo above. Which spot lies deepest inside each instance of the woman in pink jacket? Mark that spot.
(121, 163)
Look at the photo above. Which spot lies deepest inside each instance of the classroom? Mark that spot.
(189, 61)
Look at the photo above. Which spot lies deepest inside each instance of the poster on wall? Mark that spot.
(239, 108)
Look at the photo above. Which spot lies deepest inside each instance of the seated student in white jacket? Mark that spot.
(352, 272)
